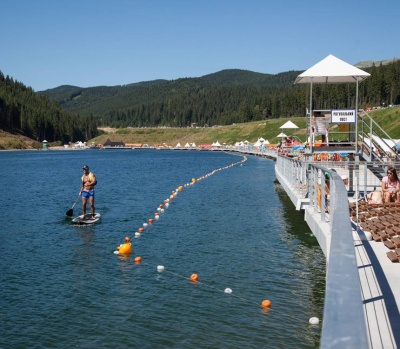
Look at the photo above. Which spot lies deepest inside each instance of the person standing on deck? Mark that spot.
(87, 190)
(319, 125)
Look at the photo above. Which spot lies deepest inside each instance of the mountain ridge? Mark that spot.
(102, 100)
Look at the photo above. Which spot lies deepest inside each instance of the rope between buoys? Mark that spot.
(151, 221)
(210, 286)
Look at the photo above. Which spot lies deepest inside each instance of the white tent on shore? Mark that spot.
(289, 124)
(260, 142)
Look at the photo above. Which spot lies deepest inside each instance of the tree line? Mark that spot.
(26, 112)
(70, 113)
(224, 98)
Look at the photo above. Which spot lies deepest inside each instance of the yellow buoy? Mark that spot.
(125, 248)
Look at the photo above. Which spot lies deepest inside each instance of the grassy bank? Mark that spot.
(223, 134)
(388, 119)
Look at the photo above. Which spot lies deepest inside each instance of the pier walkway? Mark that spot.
(377, 290)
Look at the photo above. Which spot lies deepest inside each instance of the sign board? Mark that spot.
(343, 116)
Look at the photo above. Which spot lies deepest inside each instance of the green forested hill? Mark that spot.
(26, 113)
(71, 113)
(222, 98)
(215, 99)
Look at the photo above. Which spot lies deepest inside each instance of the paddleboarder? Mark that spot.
(87, 190)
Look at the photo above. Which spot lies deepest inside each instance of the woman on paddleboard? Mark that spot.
(87, 190)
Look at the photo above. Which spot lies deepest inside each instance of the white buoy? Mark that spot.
(137, 234)
(314, 321)
(145, 225)
(162, 210)
(116, 252)
(167, 204)
(157, 217)
(160, 268)
(228, 290)
(158, 209)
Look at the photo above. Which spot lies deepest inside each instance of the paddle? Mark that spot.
(70, 212)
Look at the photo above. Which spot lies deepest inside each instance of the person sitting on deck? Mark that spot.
(391, 186)
(288, 141)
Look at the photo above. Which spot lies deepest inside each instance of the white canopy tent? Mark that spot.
(281, 135)
(260, 142)
(332, 70)
(289, 124)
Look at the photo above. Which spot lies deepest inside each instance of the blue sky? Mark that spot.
(48, 43)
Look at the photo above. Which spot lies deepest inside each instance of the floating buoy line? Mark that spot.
(125, 249)
(194, 279)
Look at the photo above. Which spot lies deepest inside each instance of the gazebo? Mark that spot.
(332, 70)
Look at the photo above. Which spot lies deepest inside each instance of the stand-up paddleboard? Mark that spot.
(87, 219)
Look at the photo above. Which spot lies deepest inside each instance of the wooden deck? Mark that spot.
(379, 276)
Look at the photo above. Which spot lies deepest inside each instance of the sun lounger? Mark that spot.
(384, 236)
(393, 256)
(390, 232)
(396, 241)
(389, 244)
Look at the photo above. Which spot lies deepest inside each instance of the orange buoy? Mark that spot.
(161, 206)
(150, 220)
(194, 277)
(141, 230)
(138, 259)
(266, 303)
(125, 248)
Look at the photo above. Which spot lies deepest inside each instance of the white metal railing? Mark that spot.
(377, 145)
(343, 317)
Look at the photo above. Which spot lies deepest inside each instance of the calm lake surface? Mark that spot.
(62, 286)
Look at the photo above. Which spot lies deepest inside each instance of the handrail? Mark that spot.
(373, 127)
(343, 317)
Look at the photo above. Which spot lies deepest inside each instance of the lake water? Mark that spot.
(62, 286)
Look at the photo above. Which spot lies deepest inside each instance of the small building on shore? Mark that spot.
(109, 143)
